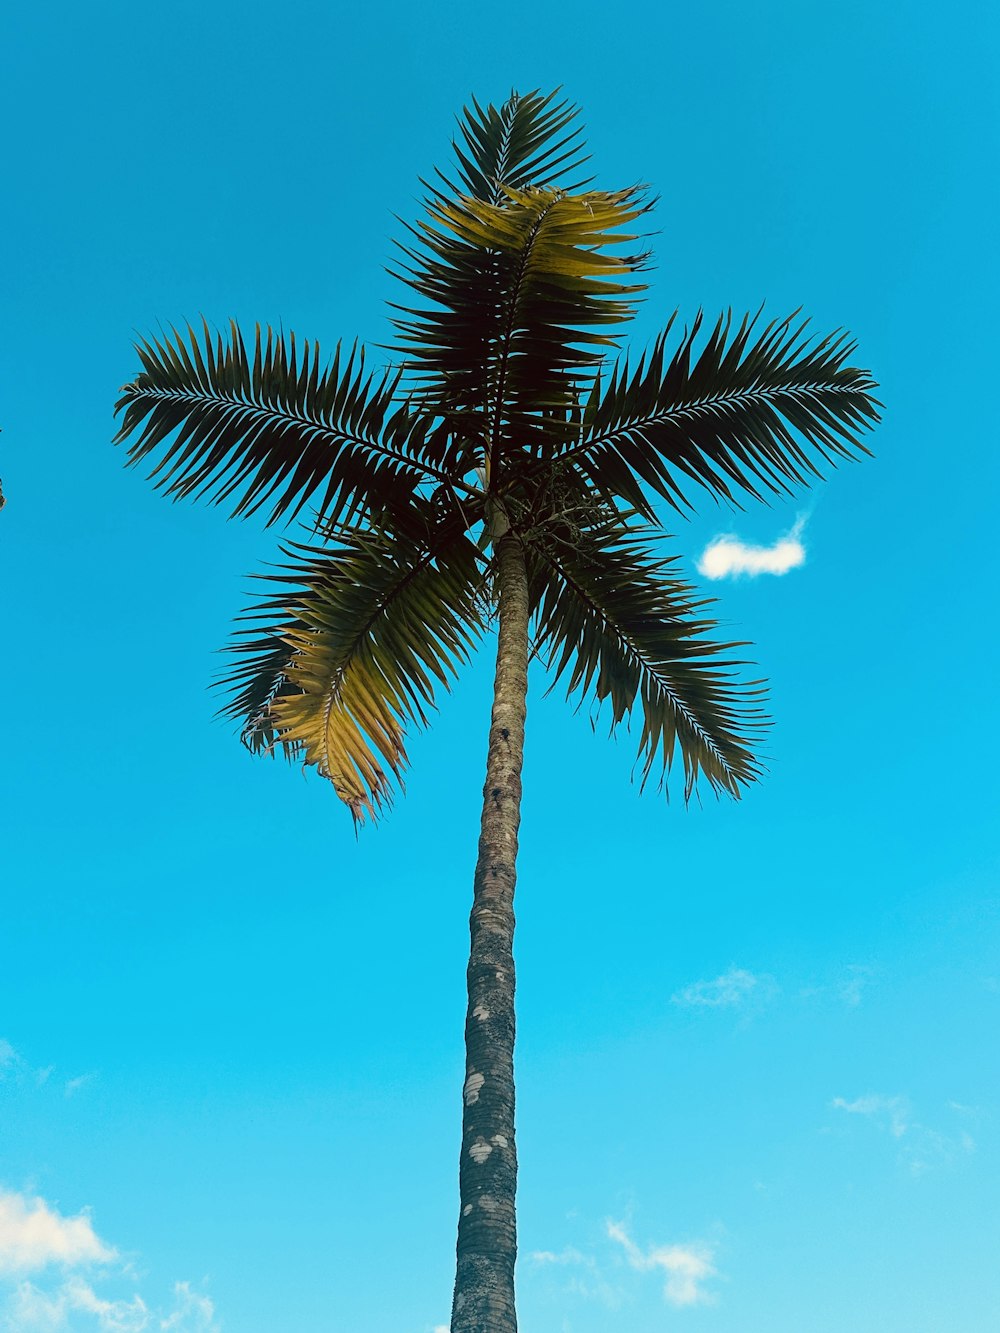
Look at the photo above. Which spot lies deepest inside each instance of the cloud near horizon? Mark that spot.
(32, 1309)
(35, 1237)
(726, 556)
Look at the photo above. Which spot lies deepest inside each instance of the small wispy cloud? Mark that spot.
(733, 988)
(892, 1112)
(931, 1149)
(960, 1108)
(569, 1255)
(850, 988)
(726, 556)
(687, 1267)
(193, 1312)
(73, 1085)
(587, 1278)
(9, 1058)
(847, 985)
(922, 1147)
(16, 1070)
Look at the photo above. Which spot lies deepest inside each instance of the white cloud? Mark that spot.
(567, 1256)
(75, 1305)
(892, 1112)
(686, 1267)
(734, 987)
(111, 1316)
(33, 1235)
(9, 1058)
(33, 1309)
(601, 1276)
(193, 1312)
(921, 1147)
(727, 557)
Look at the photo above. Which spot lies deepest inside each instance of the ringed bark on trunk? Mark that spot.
(487, 1234)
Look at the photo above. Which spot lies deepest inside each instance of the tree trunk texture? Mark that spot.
(487, 1232)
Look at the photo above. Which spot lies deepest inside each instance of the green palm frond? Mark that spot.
(525, 294)
(624, 627)
(350, 651)
(752, 416)
(531, 140)
(278, 429)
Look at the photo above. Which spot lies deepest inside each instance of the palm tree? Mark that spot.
(505, 465)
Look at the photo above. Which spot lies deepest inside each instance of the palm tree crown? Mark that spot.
(510, 463)
(503, 413)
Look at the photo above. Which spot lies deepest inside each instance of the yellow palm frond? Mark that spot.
(526, 293)
(370, 626)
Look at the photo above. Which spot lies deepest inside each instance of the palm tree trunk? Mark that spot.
(487, 1232)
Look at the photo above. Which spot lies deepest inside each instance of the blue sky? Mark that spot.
(756, 1069)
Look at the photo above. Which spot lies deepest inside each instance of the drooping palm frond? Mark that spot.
(277, 430)
(531, 140)
(350, 651)
(264, 652)
(524, 294)
(624, 627)
(752, 416)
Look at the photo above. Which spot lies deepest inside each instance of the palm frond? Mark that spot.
(350, 649)
(277, 430)
(525, 294)
(624, 627)
(264, 653)
(752, 416)
(531, 140)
